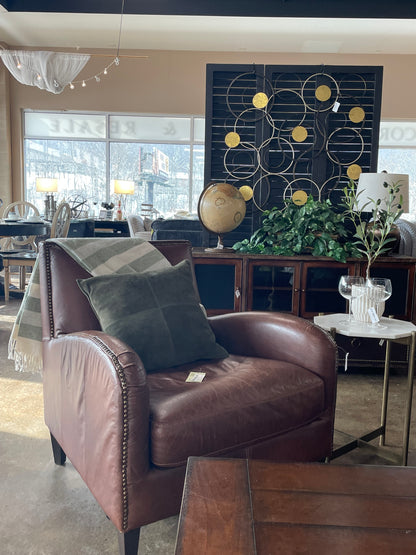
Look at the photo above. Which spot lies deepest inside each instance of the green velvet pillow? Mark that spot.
(156, 313)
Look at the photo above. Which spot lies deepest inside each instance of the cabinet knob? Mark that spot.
(237, 293)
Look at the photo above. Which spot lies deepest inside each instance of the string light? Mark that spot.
(116, 60)
(18, 65)
(97, 76)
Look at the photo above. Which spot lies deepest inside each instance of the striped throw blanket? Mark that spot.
(97, 256)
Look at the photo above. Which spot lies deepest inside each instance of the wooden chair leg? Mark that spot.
(6, 280)
(128, 542)
(22, 277)
(58, 454)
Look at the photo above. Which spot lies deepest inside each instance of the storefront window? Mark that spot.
(163, 155)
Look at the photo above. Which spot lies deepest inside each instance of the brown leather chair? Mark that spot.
(129, 433)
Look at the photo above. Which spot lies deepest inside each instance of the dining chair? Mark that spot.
(59, 228)
(23, 210)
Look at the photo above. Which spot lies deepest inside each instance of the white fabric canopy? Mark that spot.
(51, 71)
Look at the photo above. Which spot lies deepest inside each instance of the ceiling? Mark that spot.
(39, 28)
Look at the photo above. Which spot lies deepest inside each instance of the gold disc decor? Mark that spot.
(299, 198)
(247, 192)
(354, 171)
(299, 133)
(323, 93)
(260, 100)
(356, 114)
(221, 208)
(232, 139)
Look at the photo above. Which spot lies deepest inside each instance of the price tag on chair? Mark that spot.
(195, 377)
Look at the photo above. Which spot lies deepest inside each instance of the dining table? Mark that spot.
(23, 228)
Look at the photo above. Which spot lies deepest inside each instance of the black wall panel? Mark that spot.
(306, 128)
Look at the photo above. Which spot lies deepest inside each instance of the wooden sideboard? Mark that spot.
(301, 285)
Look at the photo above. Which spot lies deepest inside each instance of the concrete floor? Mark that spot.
(47, 510)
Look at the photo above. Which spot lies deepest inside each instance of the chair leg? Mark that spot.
(58, 454)
(6, 280)
(22, 278)
(128, 542)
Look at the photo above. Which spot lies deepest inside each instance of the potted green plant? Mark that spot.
(314, 228)
(373, 237)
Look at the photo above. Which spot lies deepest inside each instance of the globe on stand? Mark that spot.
(221, 208)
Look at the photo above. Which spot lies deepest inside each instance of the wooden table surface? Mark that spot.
(240, 507)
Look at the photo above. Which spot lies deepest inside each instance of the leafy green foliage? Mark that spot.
(314, 228)
(372, 239)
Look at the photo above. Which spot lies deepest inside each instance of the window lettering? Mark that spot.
(130, 128)
(54, 127)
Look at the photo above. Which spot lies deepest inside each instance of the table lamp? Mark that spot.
(49, 186)
(122, 187)
(371, 187)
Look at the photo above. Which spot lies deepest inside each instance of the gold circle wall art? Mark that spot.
(260, 100)
(354, 171)
(326, 94)
(299, 134)
(243, 98)
(356, 114)
(300, 197)
(232, 139)
(323, 93)
(247, 192)
(307, 121)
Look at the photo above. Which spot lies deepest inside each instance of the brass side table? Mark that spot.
(391, 331)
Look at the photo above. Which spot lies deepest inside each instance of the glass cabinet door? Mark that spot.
(273, 286)
(399, 305)
(320, 287)
(219, 284)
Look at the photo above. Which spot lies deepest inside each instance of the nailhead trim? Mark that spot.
(49, 289)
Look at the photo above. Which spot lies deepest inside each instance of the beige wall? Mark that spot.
(169, 82)
(5, 150)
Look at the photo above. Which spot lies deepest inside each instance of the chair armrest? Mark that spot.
(280, 336)
(97, 407)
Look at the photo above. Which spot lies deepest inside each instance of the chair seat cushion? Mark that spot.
(240, 402)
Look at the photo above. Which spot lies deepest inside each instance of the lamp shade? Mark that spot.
(123, 187)
(46, 185)
(371, 188)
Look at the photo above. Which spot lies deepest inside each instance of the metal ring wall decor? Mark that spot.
(319, 122)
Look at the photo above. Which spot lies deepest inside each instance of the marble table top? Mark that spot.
(389, 327)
